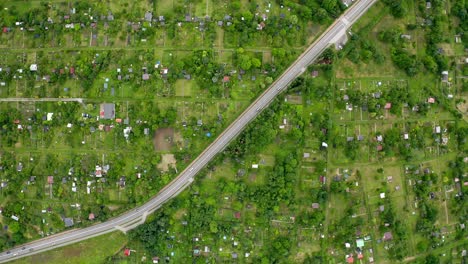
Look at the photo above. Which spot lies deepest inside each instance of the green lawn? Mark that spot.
(183, 88)
(94, 250)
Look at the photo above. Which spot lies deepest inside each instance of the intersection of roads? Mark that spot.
(137, 216)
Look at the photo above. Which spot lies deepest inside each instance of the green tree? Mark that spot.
(213, 227)
(329, 5)
(256, 63)
(14, 227)
(245, 62)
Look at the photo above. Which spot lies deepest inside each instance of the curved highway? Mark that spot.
(137, 216)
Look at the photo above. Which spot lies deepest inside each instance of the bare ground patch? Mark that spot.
(167, 161)
(163, 139)
(294, 99)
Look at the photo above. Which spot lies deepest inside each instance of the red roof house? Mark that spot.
(50, 179)
(127, 252)
(226, 79)
(237, 215)
(323, 179)
(388, 106)
(91, 216)
(350, 259)
(72, 70)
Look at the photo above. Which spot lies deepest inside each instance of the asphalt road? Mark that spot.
(137, 216)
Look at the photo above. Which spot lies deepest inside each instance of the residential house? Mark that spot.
(148, 16)
(405, 36)
(381, 208)
(360, 243)
(445, 76)
(19, 168)
(261, 26)
(98, 171)
(126, 132)
(387, 236)
(110, 16)
(122, 182)
(164, 72)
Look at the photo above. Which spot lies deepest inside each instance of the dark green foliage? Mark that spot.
(397, 8)
(278, 188)
(405, 61)
(152, 234)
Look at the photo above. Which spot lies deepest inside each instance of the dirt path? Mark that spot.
(19, 99)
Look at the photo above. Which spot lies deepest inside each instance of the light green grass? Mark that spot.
(183, 88)
(94, 250)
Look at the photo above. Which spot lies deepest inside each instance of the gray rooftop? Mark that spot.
(68, 221)
(107, 111)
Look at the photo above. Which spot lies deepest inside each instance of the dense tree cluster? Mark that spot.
(278, 188)
(153, 233)
(397, 7)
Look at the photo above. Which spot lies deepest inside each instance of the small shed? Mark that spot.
(387, 236)
(68, 221)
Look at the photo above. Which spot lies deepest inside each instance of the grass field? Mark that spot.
(183, 88)
(92, 251)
